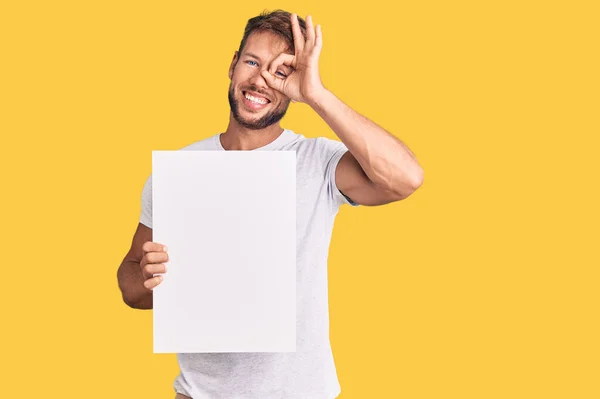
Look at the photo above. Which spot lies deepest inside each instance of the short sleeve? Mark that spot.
(146, 213)
(332, 152)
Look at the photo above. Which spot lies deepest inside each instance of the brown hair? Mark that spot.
(277, 22)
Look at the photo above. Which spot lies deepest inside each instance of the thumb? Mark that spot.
(273, 81)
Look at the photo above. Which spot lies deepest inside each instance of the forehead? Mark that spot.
(266, 45)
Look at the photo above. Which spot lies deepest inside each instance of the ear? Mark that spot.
(233, 63)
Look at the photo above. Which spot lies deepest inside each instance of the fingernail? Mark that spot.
(165, 248)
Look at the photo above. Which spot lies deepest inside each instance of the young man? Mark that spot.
(277, 62)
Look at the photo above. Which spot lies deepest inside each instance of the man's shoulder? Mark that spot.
(318, 145)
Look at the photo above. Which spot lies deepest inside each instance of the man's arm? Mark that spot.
(378, 168)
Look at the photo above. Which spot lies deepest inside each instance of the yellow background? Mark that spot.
(483, 284)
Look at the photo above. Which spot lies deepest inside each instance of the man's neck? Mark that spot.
(239, 138)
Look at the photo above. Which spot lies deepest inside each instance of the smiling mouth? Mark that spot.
(255, 100)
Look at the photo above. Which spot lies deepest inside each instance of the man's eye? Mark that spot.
(249, 61)
(282, 74)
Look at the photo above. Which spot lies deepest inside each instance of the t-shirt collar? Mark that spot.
(284, 138)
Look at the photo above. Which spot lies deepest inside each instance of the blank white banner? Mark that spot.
(228, 219)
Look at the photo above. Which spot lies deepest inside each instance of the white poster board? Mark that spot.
(228, 219)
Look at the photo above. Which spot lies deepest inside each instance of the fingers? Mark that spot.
(152, 273)
(156, 257)
(152, 258)
(298, 38)
(282, 59)
(310, 32)
(272, 81)
(151, 283)
(318, 39)
(152, 263)
(314, 36)
(154, 268)
(150, 246)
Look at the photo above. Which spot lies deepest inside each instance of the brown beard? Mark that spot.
(271, 117)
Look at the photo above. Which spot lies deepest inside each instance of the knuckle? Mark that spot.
(151, 268)
(151, 283)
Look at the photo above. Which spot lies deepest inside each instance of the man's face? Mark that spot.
(253, 103)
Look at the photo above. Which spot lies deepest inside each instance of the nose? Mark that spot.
(257, 80)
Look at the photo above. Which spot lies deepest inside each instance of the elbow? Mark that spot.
(408, 184)
(416, 179)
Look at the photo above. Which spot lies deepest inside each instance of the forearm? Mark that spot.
(385, 159)
(131, 283)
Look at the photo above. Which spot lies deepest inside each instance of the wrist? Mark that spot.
(319, 99)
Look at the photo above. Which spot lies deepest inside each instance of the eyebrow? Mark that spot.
(252, 55)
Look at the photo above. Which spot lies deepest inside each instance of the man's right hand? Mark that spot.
(153, 262)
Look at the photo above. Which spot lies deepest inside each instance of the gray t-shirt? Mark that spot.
(308, 373)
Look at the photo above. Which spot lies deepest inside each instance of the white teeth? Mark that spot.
(256, 100)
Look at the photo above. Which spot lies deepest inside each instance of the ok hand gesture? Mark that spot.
(304, 83)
